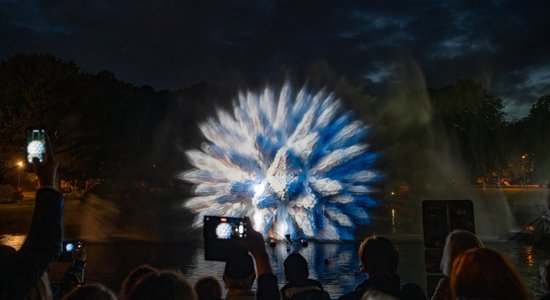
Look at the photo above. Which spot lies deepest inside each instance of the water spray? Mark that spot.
(295, 163)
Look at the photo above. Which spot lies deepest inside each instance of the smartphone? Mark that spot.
(36, 144)
(220, 234)
(67, 249)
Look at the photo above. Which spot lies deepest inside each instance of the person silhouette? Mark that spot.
(21, 270)
(299, 285)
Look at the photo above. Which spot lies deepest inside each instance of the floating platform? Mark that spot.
(533, 238)
(536, 232)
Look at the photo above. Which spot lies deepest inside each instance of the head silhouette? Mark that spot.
(457, 242)
(165, 284)
(208, 288)
(132, 278)
(378, 256)
(94, 291)
(296, 268)
(239, 272)
(486, 274)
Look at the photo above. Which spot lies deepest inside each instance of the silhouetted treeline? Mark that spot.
(108, 129)
(101, 127)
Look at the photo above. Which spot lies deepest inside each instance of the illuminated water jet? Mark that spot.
(294, 163)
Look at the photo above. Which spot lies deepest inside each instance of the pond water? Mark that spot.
(109, 262)
(154, 229)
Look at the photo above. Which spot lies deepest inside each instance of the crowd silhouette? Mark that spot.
(471, 271)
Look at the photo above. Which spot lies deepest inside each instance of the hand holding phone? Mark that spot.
(36, 145)
(72, 250)
(220, 234)
(40, 157)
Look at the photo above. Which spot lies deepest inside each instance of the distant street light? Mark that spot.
(19, 167)
(523, 157)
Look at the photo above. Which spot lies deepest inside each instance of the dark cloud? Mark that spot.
(172, 44)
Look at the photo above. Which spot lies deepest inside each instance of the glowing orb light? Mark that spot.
(36, 149)
(294, 163)
(69, 247)
(223, 231)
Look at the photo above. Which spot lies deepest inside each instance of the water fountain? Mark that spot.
(291, 161)
(295, 163)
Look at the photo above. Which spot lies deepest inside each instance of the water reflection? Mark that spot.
(338, 275)
(393, 221)
(333, 264)
(529, 255)
(13, 240)
(526, 259)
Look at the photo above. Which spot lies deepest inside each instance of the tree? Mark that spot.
(535, 131)
(96, 122)
(35, 90)
(476, 120)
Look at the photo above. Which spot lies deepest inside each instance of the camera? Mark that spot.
(67, 249)
(36, 144)
(220, 234)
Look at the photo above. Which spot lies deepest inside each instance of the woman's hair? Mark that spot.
(165, 284)
(485, 273)
(457, 242)
(378, 256)
(132, 278)
(208, 288)
(93, 291)
(544, 275)
(372, 294)
(41, 290)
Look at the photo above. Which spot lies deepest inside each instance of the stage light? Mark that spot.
(259, 189)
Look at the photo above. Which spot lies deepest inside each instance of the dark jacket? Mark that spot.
(71, 279)
(299, 289)
(389, 285)
(21, 270)
(267, 287)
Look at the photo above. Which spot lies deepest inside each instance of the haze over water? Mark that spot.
(145, 238)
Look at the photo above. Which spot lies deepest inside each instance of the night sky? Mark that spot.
(173, 44)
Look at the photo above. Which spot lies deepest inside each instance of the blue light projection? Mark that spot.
(295, 163)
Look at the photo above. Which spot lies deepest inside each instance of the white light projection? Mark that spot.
(36, 149)
(294, 163)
